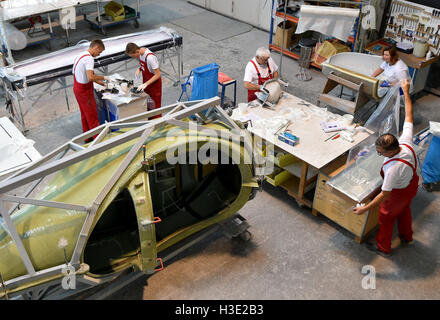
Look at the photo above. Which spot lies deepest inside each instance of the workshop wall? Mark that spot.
(254, 12)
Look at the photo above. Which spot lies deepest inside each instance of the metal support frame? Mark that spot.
(58, 160)
(18, 96)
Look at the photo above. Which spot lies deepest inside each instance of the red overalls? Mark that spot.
(86, 101)
(154, 90)
(397, 206)
(261, 81)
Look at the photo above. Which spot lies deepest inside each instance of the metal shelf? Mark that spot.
(287, 17)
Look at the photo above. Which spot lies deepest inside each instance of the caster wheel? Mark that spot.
(103, 31)
(136, 24)
(245, 236)
(299, 204)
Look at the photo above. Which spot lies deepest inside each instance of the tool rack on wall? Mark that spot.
(409, 21)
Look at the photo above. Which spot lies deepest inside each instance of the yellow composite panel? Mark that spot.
(41, 228)
(371, 83)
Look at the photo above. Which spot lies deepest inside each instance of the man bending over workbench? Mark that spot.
(400, 183)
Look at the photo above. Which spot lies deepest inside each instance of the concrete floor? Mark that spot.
(293, 254)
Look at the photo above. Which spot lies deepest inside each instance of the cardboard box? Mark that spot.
(288, 33)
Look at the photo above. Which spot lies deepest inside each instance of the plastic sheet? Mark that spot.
(16, 38)
(384, 120)
(361, 177)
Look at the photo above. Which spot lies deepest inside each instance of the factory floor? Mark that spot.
(292, 254)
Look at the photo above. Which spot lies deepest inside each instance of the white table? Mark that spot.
(312, 151)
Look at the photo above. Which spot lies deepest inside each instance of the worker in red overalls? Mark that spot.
(151, 77)
(260, 69)
(83, 78)
(400, 183)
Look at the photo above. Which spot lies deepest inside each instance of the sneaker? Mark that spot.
(428, 186)
(373, 248)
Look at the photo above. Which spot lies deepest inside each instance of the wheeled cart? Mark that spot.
(96, 20)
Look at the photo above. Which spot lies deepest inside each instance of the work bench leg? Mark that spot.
(302, 182)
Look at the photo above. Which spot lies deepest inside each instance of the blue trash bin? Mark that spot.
(205, 82)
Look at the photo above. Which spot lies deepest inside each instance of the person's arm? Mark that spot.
(377, 72)
(408, 103)
(275, 74)
(250, 86)
(151, 80)
(383, 195)
(94, 77)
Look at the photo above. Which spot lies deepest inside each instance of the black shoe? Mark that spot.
(406, 242)
(428, 186)
(373, 248)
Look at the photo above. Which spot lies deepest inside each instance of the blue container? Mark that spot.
(205, 82)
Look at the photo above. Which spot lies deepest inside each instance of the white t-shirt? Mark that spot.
(395, 73)
(398, 175)
(152, 62)
(83, 65)
(251, 75)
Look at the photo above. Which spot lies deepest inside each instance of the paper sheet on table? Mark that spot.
(244, 117)
(117, 99)
(331, 21)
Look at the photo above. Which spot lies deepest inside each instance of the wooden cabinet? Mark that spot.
(339, 208)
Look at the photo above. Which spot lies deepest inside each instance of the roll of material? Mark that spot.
(16, 38)
(331, 21)
(326, 11)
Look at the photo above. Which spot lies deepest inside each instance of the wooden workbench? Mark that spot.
(311, 153)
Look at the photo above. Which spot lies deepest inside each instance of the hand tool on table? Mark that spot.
(331, 137)
(303, 103)
(284, 126)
